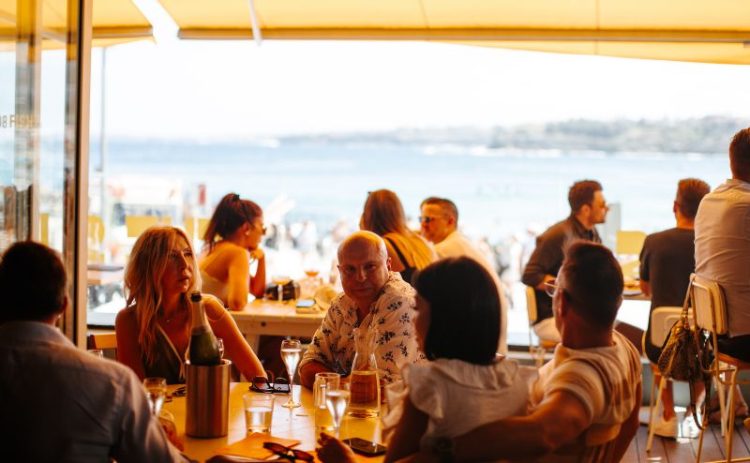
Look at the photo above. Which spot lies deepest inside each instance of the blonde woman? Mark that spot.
(384, 215)
(153, 331)
(232, 239)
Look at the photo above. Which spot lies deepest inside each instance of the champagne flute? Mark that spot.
(291, 351)
(156, 392)
(280, 281)
(337, 401)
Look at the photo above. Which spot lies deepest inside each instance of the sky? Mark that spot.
(236, 89)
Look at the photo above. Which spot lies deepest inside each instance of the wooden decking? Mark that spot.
(685, 450)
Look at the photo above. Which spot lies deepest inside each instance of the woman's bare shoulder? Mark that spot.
(126, 315)
(126, 321)
(213, 306)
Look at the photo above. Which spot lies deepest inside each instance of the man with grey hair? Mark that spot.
(373, 298)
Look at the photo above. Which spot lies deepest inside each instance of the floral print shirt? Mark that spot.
(392, 314)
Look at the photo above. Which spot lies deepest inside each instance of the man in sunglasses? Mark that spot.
(439, 224)
(59, 403)
(374, 298)
(587, 208)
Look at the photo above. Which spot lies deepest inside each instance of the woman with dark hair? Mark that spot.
(232, 239)
(384, 216)
(465, 384)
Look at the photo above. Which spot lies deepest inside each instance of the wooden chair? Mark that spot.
(104, 341)
(710, 313)
(195, 228)
(662, 320)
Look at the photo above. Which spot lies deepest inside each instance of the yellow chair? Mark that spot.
(195, 228)
(44, 228)
(102, 341)
(95, 239)
(137, 224)
(710, 313)
(629, 242)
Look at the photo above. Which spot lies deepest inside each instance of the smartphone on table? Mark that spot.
(365, 447)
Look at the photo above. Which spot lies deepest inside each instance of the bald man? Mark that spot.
(373, 298)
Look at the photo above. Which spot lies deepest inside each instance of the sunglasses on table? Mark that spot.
(288, 453)
(266, 386)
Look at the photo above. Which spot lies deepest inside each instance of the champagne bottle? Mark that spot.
(204, 348)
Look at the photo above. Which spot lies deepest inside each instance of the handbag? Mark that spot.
(686, 355)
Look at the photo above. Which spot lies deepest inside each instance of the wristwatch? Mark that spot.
(444, 449)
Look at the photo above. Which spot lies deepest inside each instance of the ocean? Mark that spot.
(499, 193)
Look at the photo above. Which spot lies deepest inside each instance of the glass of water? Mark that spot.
(156, 392)
(291, 351)
(258, 412)
(337, 400)
(324, 382)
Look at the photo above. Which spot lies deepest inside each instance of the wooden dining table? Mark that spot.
(263, 317)
(297, 423)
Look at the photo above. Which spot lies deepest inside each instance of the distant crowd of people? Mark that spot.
(439, 310)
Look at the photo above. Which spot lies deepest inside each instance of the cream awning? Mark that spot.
(114, 21)
(713, 31)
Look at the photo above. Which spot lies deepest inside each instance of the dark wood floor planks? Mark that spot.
(672, 451)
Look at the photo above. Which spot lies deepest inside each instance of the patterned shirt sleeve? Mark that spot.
(393, 317)
(325, 342)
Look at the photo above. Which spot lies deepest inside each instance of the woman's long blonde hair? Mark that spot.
(148, 261)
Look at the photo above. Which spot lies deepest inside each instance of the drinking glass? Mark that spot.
(280, 281)
(258, 412)
(156, 392)
(337, 400)
(324, 382)
(291, 351)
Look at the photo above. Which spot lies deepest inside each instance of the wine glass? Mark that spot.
(156, 392)
(280, 281)
(291, 351)
(337, 401)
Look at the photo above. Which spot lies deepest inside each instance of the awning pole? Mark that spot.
(254, 23)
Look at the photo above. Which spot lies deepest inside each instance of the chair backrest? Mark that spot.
(531, 304)
(629, 242)
(137, 224)
(44, 228)
(95, 239)
(101, 341)
(708, 303)
(662, 320)
(195, 228)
